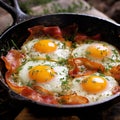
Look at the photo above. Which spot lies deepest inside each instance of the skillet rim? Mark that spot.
(57, 14)
(52, 105)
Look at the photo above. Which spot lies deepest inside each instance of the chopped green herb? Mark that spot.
(47, 57)
(14, 44)
(62, 62)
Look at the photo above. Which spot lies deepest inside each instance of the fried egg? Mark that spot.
(46, 48)
(45, 74)
(98, 51)
(95, 87)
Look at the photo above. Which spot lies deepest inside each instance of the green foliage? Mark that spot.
(26, 5)
(57, 8)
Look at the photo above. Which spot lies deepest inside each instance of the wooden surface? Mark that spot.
(112, 113)
(5, 20)
(27, 115)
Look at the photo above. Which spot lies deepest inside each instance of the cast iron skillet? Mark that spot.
(89, 25)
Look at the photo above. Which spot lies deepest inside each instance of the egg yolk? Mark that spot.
(94, 84)
(41, 73)
(97, 51)
(45, 46)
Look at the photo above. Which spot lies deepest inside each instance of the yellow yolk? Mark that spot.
(45, 46)
(41, 73)
(98, 51)
(94, 84)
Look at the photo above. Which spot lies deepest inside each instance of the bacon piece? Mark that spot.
(12, 84)
(115, 72)
(91, 67)
(116, 90)
(96, 37)
(39, 31)
(42, 90)
(12, 62)
(54, 32)
(12, 59)
(33, 95)
(80, 38)
(73, 99)
(35, 32)
(70, 31)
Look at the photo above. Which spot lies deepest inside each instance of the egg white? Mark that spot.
(113, 59)
(77, 88)
(55, 85)
(62, 51)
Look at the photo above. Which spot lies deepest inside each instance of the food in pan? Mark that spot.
(46, 74)
(95, 86)
(98, 51)
(63, 66)
(49, 48)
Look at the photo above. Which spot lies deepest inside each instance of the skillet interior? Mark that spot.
(87, 24)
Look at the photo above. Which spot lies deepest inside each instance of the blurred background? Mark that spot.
(110, 7)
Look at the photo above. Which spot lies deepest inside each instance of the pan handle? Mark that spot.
(17, 14)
